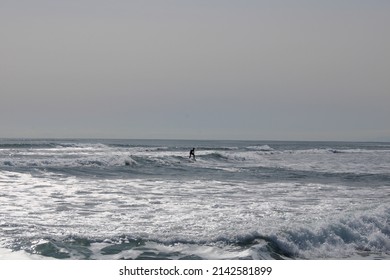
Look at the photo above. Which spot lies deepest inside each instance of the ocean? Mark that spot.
(145, 199)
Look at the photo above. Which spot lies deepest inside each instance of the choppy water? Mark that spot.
(145, 199)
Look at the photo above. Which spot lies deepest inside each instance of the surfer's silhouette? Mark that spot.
(192, 153)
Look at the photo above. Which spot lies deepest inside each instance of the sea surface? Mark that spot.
(145, 199)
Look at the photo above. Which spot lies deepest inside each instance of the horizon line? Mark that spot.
(187, 139)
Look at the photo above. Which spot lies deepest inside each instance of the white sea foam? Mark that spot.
(207, 210)
(7, 254)
(343, 236)
(209, 207)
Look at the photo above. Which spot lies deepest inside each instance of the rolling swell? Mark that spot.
(214, 156)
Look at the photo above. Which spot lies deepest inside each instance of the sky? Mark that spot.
(248, 69)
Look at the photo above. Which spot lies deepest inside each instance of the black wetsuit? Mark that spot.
(192, 153)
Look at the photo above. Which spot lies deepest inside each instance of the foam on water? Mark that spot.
(200, 212)
(244, 201)
(7, 254)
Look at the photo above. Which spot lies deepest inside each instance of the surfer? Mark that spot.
(192, 153)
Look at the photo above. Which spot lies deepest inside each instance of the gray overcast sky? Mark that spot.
(283, 70)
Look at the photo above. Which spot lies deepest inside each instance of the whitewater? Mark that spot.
(145, 199)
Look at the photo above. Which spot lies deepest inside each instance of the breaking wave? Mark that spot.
(365, 236)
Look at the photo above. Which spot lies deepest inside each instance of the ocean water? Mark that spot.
(145, 199)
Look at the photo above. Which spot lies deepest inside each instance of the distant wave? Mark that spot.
(50, 145)
(336, 151)
(264, 148)
(22, 145)
(214, 156)
(102, 156)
